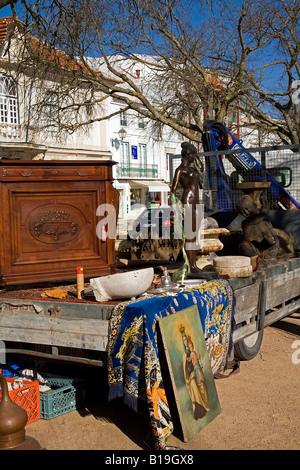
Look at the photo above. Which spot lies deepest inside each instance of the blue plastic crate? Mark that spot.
(68, 394)
(14, 367)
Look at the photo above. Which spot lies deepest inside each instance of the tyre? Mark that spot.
(247, 348)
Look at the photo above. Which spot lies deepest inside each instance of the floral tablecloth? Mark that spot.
(134, 370)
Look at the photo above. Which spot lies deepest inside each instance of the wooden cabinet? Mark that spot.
(49, 221)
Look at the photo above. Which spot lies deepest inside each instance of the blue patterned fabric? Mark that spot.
(134, 370)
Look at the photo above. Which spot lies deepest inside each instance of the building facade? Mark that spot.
(142, 151)
(22, 134)
(141, 148)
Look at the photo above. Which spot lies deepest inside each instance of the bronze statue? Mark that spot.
(260, 237)
(189, 179)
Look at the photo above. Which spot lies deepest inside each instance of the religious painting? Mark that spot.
(190, 370)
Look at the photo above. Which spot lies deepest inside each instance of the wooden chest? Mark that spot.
(49, 221)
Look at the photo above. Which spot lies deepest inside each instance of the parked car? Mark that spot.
(154, 222)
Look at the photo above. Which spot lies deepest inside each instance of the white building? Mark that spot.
(21, 134)
(142, 154)
(141, 151)
(141, 147)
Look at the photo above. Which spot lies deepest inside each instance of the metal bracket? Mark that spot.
(262, 305)
(54, 310)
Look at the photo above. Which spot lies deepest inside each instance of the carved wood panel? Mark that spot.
(61, 223)
(48, 228)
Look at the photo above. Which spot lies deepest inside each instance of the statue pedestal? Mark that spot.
(254, 190)
(209, 243)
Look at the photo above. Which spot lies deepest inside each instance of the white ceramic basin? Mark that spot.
(122, 285)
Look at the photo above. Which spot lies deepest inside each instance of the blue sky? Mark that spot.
(198, 14)
(6, 11)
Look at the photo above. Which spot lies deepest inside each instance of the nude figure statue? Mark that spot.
(188, 178)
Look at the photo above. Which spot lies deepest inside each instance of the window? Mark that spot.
(8, 101)
(283, 175)
(121, 203)
(123, 118)
(168, 157)
(143, 155)
(231, 116)
(141, 121)
(125, 161)
(52, 110)
(157, 130)
(135, 197)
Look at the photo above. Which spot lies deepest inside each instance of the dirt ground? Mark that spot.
(260, 407)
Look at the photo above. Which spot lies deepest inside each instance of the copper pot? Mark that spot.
(13, 419)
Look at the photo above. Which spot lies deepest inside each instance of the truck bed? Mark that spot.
(77, 330)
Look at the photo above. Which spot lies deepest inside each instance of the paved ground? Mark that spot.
(260, 407)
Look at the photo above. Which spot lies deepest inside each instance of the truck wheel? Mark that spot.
(247, 348)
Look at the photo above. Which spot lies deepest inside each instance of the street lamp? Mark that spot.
(122, 134)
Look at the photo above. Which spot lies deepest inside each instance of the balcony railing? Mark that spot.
(137, 171)
(11, 132)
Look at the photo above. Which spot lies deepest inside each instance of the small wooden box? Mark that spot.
(48, 220)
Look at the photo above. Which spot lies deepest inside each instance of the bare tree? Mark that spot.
(272, 82)
(197, 58)
(4, 3)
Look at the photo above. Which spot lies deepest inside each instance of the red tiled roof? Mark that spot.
(4, 22)
(46, 53)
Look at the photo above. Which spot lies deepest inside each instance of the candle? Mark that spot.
(80, 282)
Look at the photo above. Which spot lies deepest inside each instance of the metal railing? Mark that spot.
(11, 132)
(281, 162)
(137, 171)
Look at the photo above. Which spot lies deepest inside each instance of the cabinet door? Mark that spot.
(49, 229)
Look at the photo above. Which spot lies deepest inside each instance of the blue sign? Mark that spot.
(134, 152)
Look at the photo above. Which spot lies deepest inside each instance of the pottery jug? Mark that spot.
(13, 419)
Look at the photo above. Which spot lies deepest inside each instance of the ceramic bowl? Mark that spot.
(122, 285)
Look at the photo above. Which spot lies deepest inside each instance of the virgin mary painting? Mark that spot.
(190, 370)
(194, 378)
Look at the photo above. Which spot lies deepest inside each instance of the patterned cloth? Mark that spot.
(134, 370)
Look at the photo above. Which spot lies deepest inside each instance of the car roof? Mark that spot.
(159, 207)
(154, 208)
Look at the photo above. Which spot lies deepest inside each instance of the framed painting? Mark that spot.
(192, 379)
